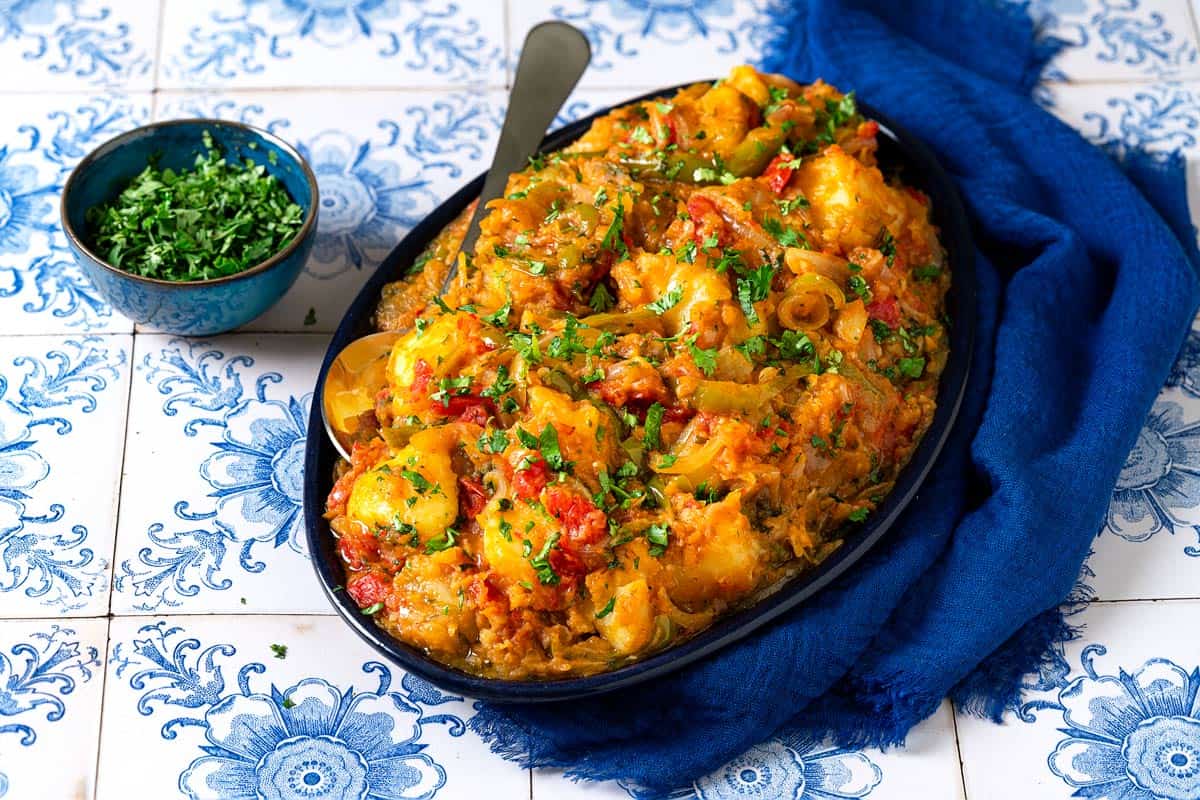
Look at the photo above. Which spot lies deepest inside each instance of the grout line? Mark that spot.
(112, 575)
(962, 767)
(158, 45)
(103, 697)
(1192, 10)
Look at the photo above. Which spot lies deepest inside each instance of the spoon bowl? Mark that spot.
(553, 59)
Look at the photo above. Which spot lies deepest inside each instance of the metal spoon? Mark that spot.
(553, 58)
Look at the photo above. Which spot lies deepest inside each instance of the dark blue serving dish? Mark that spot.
(189, 308)
(897, 151)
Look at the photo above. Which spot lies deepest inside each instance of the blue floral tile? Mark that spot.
(70, 45)
(800, 769)
(649, 43)
(1119, 39)
(59, 398)
(211, 515)
(1115, 715)
(51, 679)
(1158, 118)
(281, 708)
(42, 137)
(383, 161)
(259, 43)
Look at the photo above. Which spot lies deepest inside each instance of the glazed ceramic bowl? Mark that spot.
(189, 308)
(898, 151)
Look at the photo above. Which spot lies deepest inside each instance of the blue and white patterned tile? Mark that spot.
(383, 161)
(52, 676)
(1116, 716)
(211, 517)
(281, 708)
(66, 45)
(1119, 39)
(279, 43)
(59, 398)
(42, 290)
(800, 769)
(650, 43)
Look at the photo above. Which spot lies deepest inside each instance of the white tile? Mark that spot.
(182, 684)
(926, 767)
(383, 161)
(1116, 716)
(60, 398)
(54, 46)
(42, 137)
(636, 44)
(211, 516)
(1119, 39)
(238, 43)
(53, 677)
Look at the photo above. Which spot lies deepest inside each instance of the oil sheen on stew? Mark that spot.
(689, 352)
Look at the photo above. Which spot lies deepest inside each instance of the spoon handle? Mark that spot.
(553, 58)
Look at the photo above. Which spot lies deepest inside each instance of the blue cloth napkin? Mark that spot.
(1088, 282)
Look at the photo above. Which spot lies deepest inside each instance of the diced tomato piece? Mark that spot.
(706, 220)
(468, 407)
(678, 413)
(529, 482)
(885, 311)
(867, 130)
(422, 376)
(672, 129)
(357, 550)
(582, 521)
(368, 589)
(472, 497)
(778, 174)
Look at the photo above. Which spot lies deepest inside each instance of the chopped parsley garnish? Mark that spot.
(527, 439)
(218, 218)
(443, 542)
(887, 246)
(654, 418)
(881, 329)
(668, 460)
(541, 562)
(500, 315)
(911, 367)
(372, 609)
(613, 239)
(537, 267)
(602, 299)
(754, 346)
(419, 481)
(858, 515)
(786, 236)
(659, 536)
(548, 444)
(608, 608)
(451, 387)
(787, 206)
(706, 359)
(928, 272)
(858, 285)
(280, 650)
(795, 346)
(668, 301)
(687, 252)
(753, 287)
(500, 385)
(641, 135)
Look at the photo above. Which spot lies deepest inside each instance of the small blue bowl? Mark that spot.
(188, 308)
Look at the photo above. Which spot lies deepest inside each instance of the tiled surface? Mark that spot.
(191, 509)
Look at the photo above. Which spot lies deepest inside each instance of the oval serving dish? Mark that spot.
(897, 151)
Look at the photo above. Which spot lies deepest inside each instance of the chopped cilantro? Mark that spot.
(280, 650)
(654, 418)
(443, 542)
(857, 515)
(911, 367)
(608, 608)
(706, 359)
(602, 299)
(668, 301)
(659, 536)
